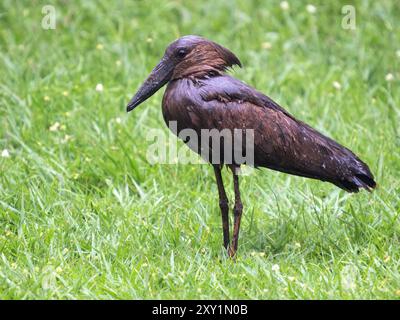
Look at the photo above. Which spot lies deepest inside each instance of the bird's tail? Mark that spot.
(358, 177)
(330, 161)
(343, 167)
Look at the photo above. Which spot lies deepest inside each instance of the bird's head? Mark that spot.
(187, 56)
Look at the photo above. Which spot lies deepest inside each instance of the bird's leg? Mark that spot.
(223, 204)
(237, 212)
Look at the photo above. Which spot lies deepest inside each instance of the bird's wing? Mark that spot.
(227, 88)
(281, 142)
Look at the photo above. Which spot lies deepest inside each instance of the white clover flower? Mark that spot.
(337, 85)
(55, 127)
(99, 87)
(118, 120)
(311, 8)
(275, 268)
(5, 153)
(285, 5)
(66, 138)
(389, 77)
(266, 45)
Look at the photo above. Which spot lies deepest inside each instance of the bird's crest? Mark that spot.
(200, 57)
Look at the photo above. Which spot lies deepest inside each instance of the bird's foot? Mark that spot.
(231, 252)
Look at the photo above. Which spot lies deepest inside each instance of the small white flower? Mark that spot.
(65, 93)
(389, 77)
(337, 85)
(398, 53)
(285, 5)
(66, 138)
(46, 98)
(297, 245)
(275, 268)
(99, 87)
(5, 153)
(266, 45)
(55, 126)
(99, 46)
(118, 63)
(311, 9)
(118, 120)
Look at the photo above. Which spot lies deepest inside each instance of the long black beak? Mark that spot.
(160, 75)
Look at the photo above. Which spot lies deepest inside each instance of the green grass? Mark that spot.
(84, 215)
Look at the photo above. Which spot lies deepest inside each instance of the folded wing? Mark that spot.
(281, 142)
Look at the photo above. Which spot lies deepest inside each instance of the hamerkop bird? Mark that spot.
(200, 95)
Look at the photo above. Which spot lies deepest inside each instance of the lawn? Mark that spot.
(84, 215)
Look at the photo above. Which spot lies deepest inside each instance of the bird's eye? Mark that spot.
(181, 52)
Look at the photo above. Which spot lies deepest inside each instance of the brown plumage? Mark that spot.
(200, 96)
